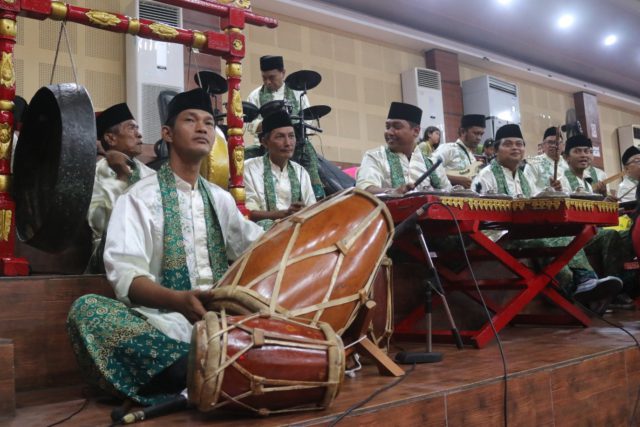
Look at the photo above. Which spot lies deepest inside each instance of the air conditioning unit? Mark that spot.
(496, 99)
(152, 67)
(423, 88)
(628, 136)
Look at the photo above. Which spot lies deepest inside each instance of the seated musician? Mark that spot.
(609, 247)
(169, 239)
(504, 176)
(121, 140)
(460, 155)
(542, 166)
(276, 186)
(386, 169)
(597, 179)
(629, 184)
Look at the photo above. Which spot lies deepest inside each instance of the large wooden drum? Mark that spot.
(264, 364)
(318, 264)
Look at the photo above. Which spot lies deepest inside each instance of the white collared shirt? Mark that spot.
(455, 155)
(375, 170)
(254, 185)
(134, 243)
(486, 182)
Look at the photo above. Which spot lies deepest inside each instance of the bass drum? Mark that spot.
(263, 364)
(318, 263)
(54, 167)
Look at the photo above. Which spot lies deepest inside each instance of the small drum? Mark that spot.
(264, 364)
(317, 264)
(382, 293)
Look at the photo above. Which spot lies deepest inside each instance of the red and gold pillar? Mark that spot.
(9, 265)
(233, 27)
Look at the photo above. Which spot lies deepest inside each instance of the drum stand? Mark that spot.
(429, 356)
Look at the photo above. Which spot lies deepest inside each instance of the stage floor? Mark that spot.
(557, 377)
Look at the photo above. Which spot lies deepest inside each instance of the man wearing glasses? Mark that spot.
(631, 164)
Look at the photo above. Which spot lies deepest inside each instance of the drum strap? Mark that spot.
(501, 180)
(289, 96)
(175, 273)
(269, 185)
(397, 176)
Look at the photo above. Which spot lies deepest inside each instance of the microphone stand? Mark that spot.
(430, 356)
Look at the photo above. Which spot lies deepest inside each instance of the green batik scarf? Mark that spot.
(135, 174)
(266, 96)
(573, 181)
(175, 273)
(435, 181)
(397, 177)
(270, 188)
(501, 180)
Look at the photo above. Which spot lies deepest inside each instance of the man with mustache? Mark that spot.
(542, 166)
(276, 186)
(121, 140)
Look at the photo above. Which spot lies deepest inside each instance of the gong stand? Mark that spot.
(228, 44)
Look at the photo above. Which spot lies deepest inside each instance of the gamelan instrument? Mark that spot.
(303, 80)
(318, 264)
(213, 83)
(54, 166)
(264, 364)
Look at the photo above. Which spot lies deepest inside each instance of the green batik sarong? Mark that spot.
(117, 349)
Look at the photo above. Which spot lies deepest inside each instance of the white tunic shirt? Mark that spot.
(627, 189)
(254, 98)
(134, 244)
(566, 185)
(541, 169)
(106, 189)
(254, 185)
(417, 167)
(486, 182)
(375, 170)
(455, 155)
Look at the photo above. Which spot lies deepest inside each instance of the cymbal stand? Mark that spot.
(430, 286)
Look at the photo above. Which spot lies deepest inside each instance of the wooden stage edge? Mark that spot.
(557, 377)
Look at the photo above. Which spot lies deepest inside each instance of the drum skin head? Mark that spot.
(54, 166)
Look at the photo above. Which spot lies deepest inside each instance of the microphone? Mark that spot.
(175, 404)
(411, 221)
(428, 172)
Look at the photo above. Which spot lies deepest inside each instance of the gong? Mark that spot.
(54, 166)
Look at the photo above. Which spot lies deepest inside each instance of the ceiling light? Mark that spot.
(566, 21)
(610, 40)
(504, 2)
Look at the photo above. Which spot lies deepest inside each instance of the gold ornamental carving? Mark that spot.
(239, 195)
(234, 69)
(7, 77)
(134, 26)
(58, 10)
(103, 19)
(238, 159)
(242, 4)
(9, 1)
(5, 183)
(5, 224)
(5, 140)
(236, 103)
(199, 40)
(6, 105)
(163, 31)
(235, 132)
(237, 44)
(8, 27)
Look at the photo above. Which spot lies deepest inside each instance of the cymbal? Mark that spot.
(316, 111)
(272, 107)
(250, 111)
(211, 82)
(303, 80)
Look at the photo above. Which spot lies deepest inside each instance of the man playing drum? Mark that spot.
(121, 140)
(542, 166)
(460, 155)
(169, 239)
(275, 185)
(504, 176)
(386, 169)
